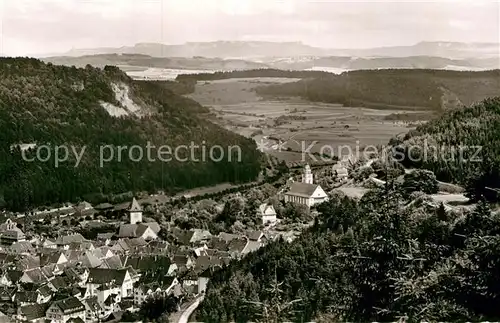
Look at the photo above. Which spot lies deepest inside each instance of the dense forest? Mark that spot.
(394, 253)
(394, 88)
(262, 72)
(44, 104)
(462, 146)
(385, 257)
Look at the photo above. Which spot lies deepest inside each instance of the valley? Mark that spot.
(295, 121)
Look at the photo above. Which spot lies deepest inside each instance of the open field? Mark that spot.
(156, 73)
(296, 122)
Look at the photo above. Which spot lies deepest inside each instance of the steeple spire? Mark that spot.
(307, 177)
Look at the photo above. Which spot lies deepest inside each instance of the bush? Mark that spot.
(420, 180)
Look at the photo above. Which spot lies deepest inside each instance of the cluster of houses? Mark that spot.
(73, 279)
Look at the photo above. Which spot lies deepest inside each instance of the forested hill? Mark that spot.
(395, 88)
(463, 146)
(44, 104)
(379, 259)
(392, 254)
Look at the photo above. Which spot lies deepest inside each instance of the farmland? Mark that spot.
(295, 121)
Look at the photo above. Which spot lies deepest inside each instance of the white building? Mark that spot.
(106, 282)
(307, 177)
(340, 172)
(65, 309)
(306, 192)
(10, 233)
(267, 213)
(135, 212)
(143, 291)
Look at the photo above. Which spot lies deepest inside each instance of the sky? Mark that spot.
(37, 27)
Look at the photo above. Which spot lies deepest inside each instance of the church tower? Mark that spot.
(135, 212)
(307, 177)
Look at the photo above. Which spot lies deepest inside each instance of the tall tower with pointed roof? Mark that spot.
(135, 212)
(307, 177)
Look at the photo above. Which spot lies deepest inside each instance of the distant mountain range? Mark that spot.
(254, 49)
(134, 62)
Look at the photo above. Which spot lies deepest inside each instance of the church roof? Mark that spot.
(302, 189)
(134, 206)
(137, 230)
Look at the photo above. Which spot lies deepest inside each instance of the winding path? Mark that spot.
(184, 317)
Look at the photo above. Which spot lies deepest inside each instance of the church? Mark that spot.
(136, 228)
(306, 192)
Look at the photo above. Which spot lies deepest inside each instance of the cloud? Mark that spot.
(44, 26)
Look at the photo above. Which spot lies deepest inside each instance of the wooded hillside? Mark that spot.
(53, 105)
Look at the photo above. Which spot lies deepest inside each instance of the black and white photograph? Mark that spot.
(262, 161)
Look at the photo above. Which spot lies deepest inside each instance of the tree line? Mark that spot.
(386, 257)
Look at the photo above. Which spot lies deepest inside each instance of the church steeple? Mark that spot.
(307, 177)
(135, 212)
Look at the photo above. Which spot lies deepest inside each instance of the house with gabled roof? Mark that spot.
(34, 276)
(203, 279)
(49, 244)
(217, 243)
(94, 311)
(89, 260)
(77, 275)
(200, 236)
(34, 313)
(55, 258)
(251, 246)
(147, 231)
(12, 277)
(111, 303)
(120, 247)
(340, 172)
(75, 320)
(228, 237)
(105, 251)
(114, 262)
(8, 294)
(150, 286)
(237, 246)
(103, 207)
(104, 282)
(155, 286)
(58, 283)
(22, 248)
(7, 259)
(255, 235)
(148, 263)
(200, 251)
(10, 233)
(189, 279)
(63, 310)
(203, 263)
(183, 261)
(45, 292)
(82, 245)
(267, 213)
(105, 237)
(83, 206)
(65, 241)
(27, 297)
(27, 262)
